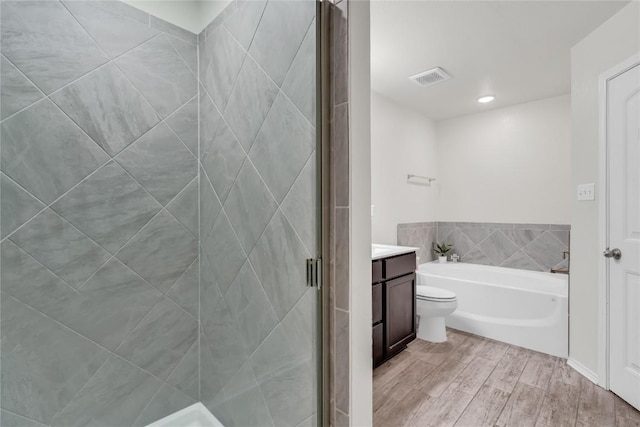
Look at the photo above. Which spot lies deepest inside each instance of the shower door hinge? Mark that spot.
(314, 272)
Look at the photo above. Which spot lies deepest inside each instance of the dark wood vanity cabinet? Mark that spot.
(394, 305)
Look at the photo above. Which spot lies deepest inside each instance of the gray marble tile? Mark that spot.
(123, 9)
(242, 392)
(521, 261)
(249, 206)
(279, 261)
(44, 364)
(162, 77)
(210, 119)
(476, 234)
(223, 160)
(46, 43)
(286, 381)
(221, 58)
(300, 84)
(502, 226)
(161, 340)
(210, 382)
(184, 123)
(341, 259)
(174, 30)
(340, 154)
(462, 244)
(244, 22)
(160, 163)
(16, 92)
(313, 421)
(224, 340)
(167, 401)
(562, 235)
(209, 206)
(186, 375)
(250, 101)
(276, 58)
(184, 207)
(188, 52)
(45, 152)
(565, 227)
(224, 252)
(342, 360)
(301, 326)
(114, 397)
(250, 308)
(185, 292)
(108, 108)
(161, 251)
(18, 206)
(546, 250)
(527, 226)
(522, 237)
(60, 247)
(498, 247)
(476, 256)
(9, 419)
(104, 310)
(339, 30)
(444, 232)
(283, 147)
(114, 33)
(109, 206)
(301, 205)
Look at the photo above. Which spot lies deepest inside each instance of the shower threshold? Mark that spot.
(195, 415)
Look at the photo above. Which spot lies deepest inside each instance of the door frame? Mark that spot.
(603, 228)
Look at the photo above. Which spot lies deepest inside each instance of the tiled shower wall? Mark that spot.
(99, 191)
(258, 214)
(538, 247)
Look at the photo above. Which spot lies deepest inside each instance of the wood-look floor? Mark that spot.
(472, 381)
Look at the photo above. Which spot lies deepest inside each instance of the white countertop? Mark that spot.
(384, 251)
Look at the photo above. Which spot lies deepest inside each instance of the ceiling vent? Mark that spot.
(430, 77)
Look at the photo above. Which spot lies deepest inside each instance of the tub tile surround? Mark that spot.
(257, 149)
(100, 262)
(538, 247)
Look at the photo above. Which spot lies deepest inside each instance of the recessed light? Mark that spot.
(486, 98)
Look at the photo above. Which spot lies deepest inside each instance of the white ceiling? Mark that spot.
(518, 51)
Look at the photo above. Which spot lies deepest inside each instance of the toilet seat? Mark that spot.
(430, 293)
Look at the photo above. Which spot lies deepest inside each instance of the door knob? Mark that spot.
(612, 253)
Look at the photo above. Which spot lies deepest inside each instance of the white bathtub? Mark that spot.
(525, 308)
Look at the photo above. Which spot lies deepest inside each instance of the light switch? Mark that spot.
(587, 191)
(372, 209)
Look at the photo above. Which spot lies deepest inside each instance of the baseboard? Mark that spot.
(583, 370)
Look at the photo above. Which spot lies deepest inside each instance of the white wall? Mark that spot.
(610, 44)
(508, 165)
(402, 142)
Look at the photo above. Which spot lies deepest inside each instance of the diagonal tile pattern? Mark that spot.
(158, 71)
(67, 209)
(109, 206)
(160, 162)
(46, 43)
(16, 91)
(538, 247)
(114, 33)
(223, 160)
(45, 152)
(108, 108)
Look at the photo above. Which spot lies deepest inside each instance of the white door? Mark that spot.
(623, 139)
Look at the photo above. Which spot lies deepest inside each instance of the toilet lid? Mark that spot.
(432, 293)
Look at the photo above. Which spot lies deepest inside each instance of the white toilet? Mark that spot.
(432, 305)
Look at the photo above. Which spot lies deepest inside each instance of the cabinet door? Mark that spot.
(400, 320)
(378, 344)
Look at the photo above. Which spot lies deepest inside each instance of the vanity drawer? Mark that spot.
(376, 271)
(376, 298)
(399, 266)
